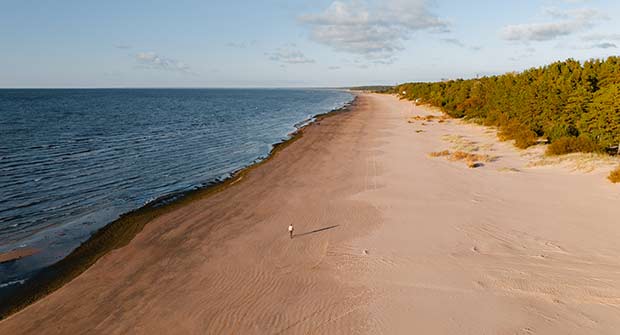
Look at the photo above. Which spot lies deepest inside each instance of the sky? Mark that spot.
(302, 43)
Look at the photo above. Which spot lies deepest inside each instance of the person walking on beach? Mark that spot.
(290, 230)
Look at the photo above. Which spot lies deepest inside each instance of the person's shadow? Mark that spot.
(316, 231)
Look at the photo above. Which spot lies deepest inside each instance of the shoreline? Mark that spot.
(388, 238)
(121, 231)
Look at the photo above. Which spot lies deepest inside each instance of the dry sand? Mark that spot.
(390, 241)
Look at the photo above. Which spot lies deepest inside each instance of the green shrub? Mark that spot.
(555, 132)
(614, 176)
(567, 145)
(521, 134)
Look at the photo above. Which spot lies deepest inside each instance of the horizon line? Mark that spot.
(181, 87)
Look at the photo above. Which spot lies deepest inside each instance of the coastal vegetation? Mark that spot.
(373, 88)
(614, 176)
(567, 145)
(472, 160)
(574, 106)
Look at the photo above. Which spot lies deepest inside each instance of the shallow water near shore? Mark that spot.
(72, 161)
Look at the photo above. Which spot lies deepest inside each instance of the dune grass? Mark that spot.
(583, 162)
(440, 153)
(428, 118)
(614, 175)
(472, 160)
(461, 143)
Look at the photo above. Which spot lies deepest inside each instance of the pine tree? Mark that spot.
(559, 101)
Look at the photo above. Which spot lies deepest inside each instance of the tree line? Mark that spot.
(574, 106)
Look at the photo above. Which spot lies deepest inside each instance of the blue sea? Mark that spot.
(73, 160)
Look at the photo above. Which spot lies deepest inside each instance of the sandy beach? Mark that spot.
(389, 240)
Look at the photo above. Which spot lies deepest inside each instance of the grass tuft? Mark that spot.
(614, 176)
(471, 159)
(578, 161)
(440, 153)
(428, 118)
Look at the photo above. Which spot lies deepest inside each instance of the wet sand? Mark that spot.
(17, 254)
(388, 240)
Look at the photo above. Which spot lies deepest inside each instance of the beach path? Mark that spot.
(388, 240)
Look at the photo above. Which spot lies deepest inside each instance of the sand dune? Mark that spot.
(390, 241)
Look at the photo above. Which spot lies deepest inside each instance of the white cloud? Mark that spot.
(151, 60)
(453, 41)
(289, 56)
(601, 37)
(460, 44)
(600, 45)
(604, 45)
(588, 46)
(538, 31)
(567, 22)
(374, 29)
